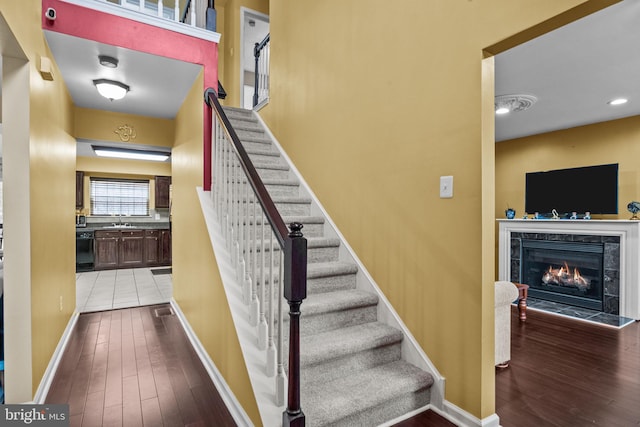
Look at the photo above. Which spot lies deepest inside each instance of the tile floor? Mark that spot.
(112, 289)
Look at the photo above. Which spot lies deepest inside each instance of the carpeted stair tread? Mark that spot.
(337, 301)
(328, 403)
(323, 347)
(312, 243)
(274, 166)
(262, 152)
(328, 269)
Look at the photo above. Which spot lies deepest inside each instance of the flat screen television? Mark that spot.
(586, 189)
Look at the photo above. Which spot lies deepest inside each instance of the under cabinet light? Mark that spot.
(121, 153)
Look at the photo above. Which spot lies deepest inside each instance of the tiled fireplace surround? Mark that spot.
(621, 257)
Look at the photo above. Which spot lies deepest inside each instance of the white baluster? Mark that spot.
(141, 5)
(176, 12)
(271, 349)
(246, 283)
(254, 311)
(281, 376)
(193, 13)
(262, 327)
(160, 8)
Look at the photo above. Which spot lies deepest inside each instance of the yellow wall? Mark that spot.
(101, 126)
(229, 25)
(374, 103)
(52, 197)
(197, 286)
(609, 142)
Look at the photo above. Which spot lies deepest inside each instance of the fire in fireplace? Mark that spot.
(566, 272)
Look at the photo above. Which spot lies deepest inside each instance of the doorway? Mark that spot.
(254, 27)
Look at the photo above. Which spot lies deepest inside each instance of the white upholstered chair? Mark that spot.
(505, 294)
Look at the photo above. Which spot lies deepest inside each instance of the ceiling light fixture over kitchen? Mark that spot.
(111, 89)
(618, 101)
(507, 103)
(123, 153)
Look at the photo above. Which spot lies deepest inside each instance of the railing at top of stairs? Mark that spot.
(197, 13)
(255, 233)
(261, 52)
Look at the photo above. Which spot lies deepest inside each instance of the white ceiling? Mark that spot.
(574, 71)
(158, 85)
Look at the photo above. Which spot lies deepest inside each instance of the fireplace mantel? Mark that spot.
(627, 230)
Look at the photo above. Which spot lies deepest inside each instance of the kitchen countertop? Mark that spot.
(163, 225)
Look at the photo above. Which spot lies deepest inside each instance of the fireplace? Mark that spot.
(564, 271)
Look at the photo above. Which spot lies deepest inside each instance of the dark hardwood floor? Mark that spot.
(131, 367)
(565, 372)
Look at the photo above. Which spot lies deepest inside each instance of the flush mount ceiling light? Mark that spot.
(111, 89)
(512, 103)
(123, 153)
(108, 61)
(618, 101)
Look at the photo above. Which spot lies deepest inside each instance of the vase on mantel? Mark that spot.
(634, 208)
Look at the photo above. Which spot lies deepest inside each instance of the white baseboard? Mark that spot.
(462, 418)
(237, 412)
(49, 373)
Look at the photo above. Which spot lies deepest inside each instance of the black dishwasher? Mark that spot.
(84, 251)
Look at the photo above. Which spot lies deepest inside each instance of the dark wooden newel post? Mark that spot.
(295, 290)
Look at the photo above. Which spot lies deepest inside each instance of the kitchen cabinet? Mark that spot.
(165, 247)
(152, 247)
(131, 249)
(79, 190)
(106, 249)
(163, 184)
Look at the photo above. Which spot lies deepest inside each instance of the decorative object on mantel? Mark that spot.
(634, 208)
(510, 213)
(587, 215)
(554, 214)
(126, 133)
(574, 215)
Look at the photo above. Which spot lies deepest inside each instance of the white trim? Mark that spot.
(50, 372)
(463, 418)
(237, 411)
(411, 350)
(134, 15)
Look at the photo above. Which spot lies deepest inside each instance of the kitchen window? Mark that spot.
(119, 197)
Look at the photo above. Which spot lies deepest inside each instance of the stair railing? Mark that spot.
(261, 53)
(196, 13)
(270, 258)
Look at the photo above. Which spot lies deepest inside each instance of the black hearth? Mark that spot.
(564, 271)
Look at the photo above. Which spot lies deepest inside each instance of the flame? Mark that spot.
(565, 276)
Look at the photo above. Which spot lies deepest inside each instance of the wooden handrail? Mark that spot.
(294, 246)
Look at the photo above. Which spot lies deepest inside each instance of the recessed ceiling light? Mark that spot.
(108, 61)
(111, 89)
(502, 110)
(618, 101)
(123, 153)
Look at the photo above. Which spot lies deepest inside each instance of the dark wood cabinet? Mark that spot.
(106, 249)
(152, 247)
(79, 189)
(131, 249)
(165, 247)
(163, 184)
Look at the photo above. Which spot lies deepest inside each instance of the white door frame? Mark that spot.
(244, 14)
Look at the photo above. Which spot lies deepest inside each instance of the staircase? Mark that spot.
(354, 368)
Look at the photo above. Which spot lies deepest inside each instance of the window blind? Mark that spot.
(119, 197)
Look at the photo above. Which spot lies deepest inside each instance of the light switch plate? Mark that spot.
(446, 187)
